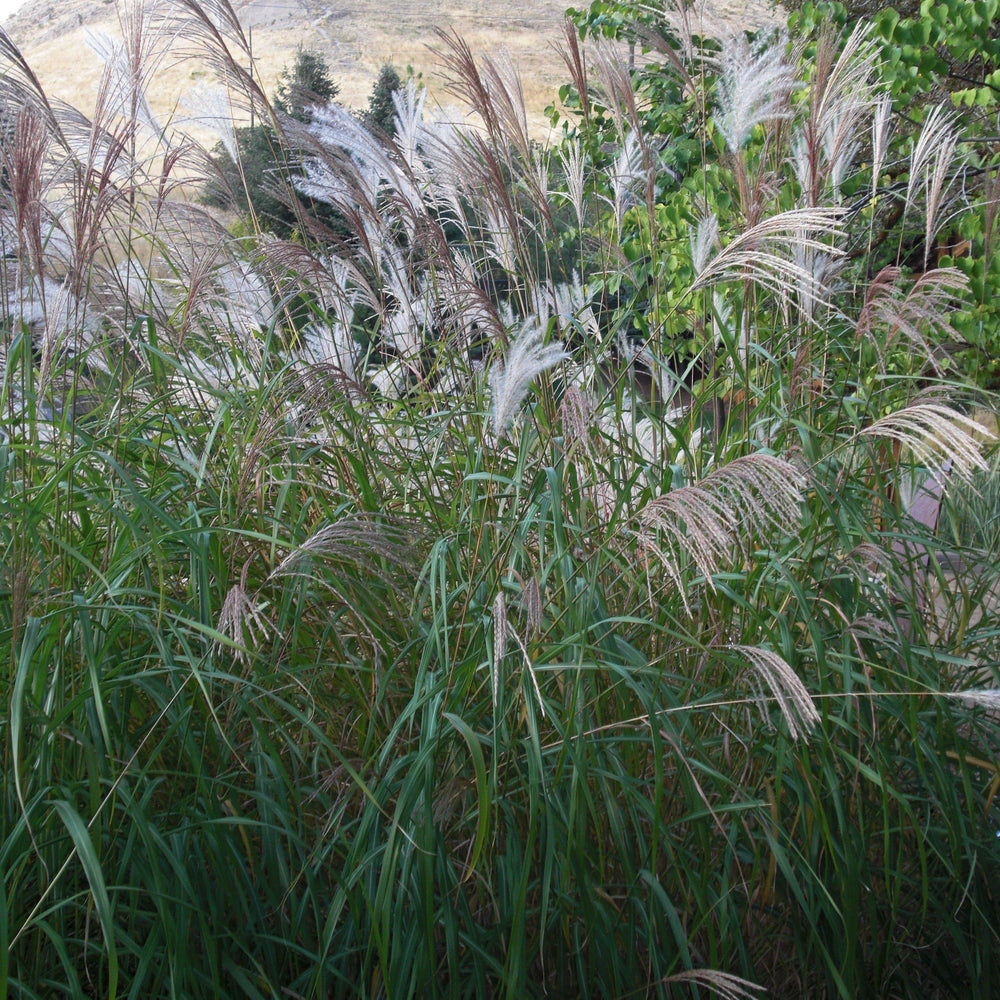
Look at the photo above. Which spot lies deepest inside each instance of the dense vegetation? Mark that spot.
(255, 166)
(533, 590)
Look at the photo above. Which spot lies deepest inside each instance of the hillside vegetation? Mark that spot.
(533, 571)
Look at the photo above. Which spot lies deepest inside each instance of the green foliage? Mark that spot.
(971, 517)
(613, 18)
(307, 83)
(950, 49)
(927, 50)
(928, 46)
(260, 182)
(257, 182)
(380, 113)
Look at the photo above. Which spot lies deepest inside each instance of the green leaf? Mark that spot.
(482, 788)
(84, 848)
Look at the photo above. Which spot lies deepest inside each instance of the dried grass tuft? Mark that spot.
(722, 984)
(527, 358)
(708, 522)
(786, 688)
(938, 436)
(242, 620)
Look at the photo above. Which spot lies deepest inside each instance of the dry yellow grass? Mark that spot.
(356, 39)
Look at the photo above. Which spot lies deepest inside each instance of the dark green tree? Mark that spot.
(261, 182)
(307, 83)
(380, 113)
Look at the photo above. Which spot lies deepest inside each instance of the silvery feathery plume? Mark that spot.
(704, 240)
(938, 436)
(102, 154)
(839, 147)
(57, 321)
(450, 380)
(986, 697)
(585, 376)
(404, 328)
(722, 316)
(125, 93)
(391, 380)
(458, 297)
(845, 91)
(724, 985)
(241, 620)
(245, 304)
(786, 688)
(927, 307)
(626, 175)
(840, 98)
(367, 183)
(754, 87)
(571, 157)
(881, 133)
(501, 246)
(331, 343)
(567, 301)
(54, 310)
(815, 271)
(408, 120)
(444, 145)
(527, 358)
(505, 92)
(211, 108)
(801, 161)
(764, 251)
(631, 350)
(396, 275)
(347, 293)
(540, 174)
(616, 84)
(336, 128)
(321, 183)
(500, 631)
(364, 540)
(839, 150)
(930, 165)
(577, 415)
(383, 254)
(200, 383)
(707, 521)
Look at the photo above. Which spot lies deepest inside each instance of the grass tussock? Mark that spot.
(397, 615)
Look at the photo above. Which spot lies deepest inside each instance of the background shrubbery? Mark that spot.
(532, 590)
(258, 181)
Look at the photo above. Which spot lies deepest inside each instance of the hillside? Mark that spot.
(356, 39)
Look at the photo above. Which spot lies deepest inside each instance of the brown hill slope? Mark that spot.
(356, 37)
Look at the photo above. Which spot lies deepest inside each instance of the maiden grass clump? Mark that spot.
(417, 615)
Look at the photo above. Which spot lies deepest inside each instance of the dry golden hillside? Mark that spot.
(356, 38)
